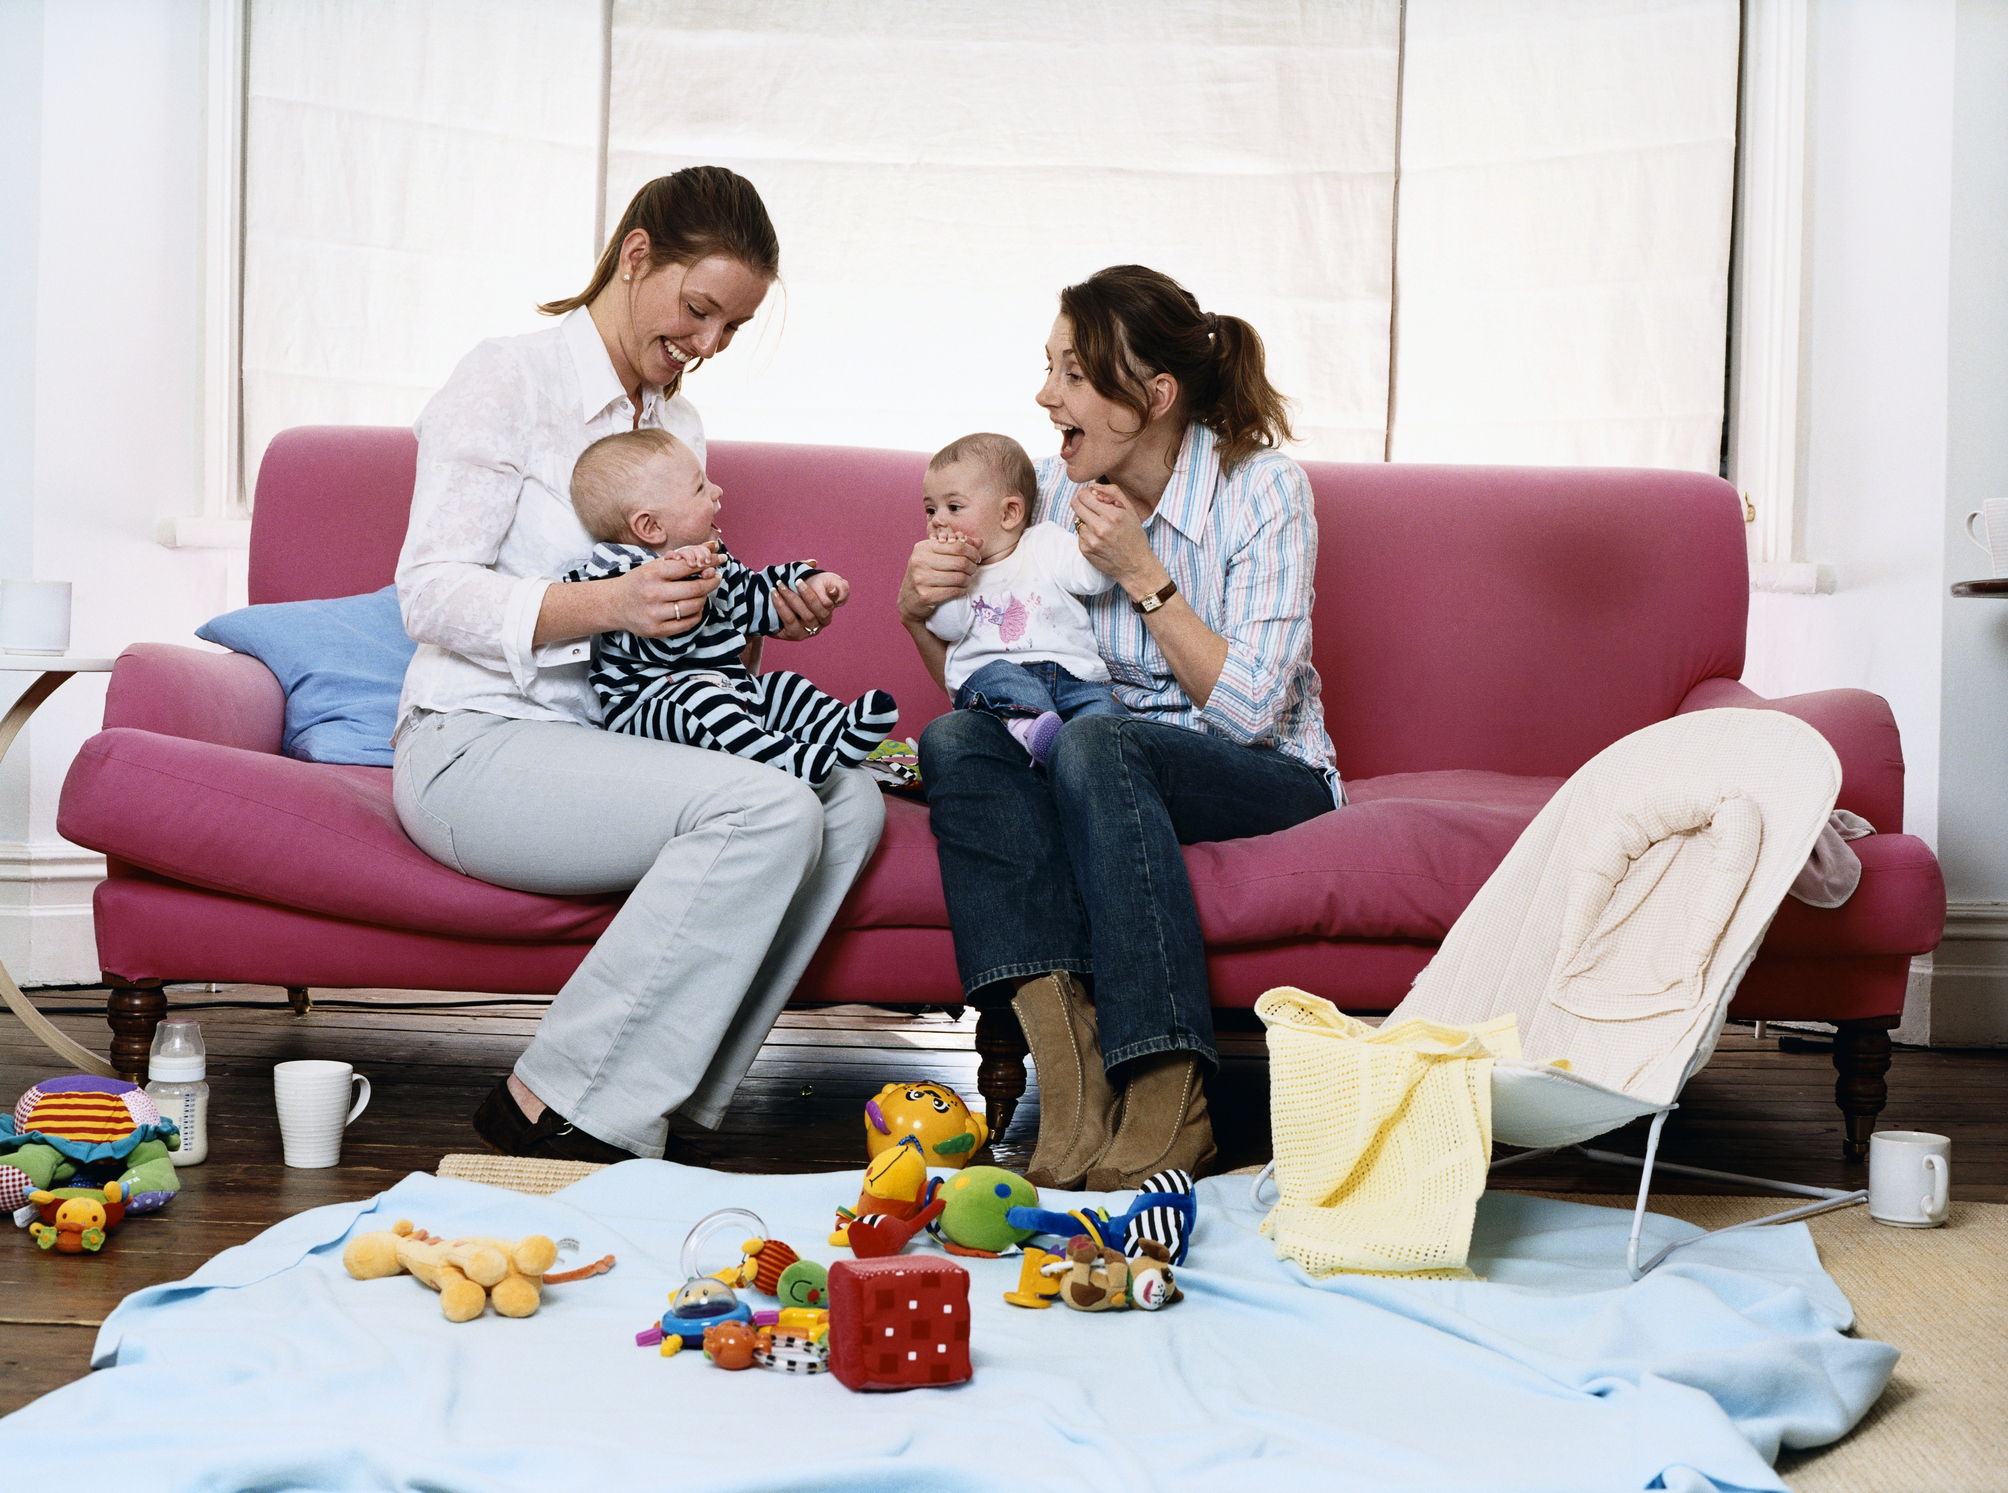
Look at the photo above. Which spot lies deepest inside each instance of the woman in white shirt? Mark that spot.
(733, 870)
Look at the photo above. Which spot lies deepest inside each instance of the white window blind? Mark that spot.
(417, 177)
(1546, 283)
(1563, 270)
(937, 172)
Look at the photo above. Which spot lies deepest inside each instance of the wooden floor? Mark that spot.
(430, 1058)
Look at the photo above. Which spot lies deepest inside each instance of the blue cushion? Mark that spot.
(341, 663)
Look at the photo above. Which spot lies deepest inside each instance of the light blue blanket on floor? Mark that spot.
(270, 1369)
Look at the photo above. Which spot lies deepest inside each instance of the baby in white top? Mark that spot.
(1019, 643)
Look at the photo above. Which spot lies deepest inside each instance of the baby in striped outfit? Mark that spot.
(642, 495)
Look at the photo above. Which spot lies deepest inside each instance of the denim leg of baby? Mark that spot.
(1074, 698)
(1006, 689)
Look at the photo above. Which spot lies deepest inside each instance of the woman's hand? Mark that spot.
(940, 569)
(662, 599)
(807, 608)
(1114, 542)
(1112, 539)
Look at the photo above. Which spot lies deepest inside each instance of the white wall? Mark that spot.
(101, 353)
(1906, 428)
(1907, 415)
(1969, 999)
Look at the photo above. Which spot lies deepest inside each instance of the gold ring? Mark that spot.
(679, 611)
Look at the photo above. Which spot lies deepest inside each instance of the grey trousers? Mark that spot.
(733, 871)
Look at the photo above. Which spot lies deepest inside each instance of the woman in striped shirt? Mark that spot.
(1059, 877)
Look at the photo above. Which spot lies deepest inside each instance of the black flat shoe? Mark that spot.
(501, 1123)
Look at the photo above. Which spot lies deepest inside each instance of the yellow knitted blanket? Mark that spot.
(1382, 1136)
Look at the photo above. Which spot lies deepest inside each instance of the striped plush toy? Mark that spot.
(86, 1131)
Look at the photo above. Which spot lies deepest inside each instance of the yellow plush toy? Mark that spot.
(467, 1273)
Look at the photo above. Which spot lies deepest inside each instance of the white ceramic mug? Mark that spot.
(1992, 534)
(314, 1098)
(1910, 1178)
(35, 617)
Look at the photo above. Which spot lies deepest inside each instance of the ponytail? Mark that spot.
(1130, 323)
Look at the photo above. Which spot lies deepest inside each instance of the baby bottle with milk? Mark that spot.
(177, 1072)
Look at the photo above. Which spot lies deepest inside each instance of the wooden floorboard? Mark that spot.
(430, 1057)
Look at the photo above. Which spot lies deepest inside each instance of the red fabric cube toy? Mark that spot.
(898, 1322)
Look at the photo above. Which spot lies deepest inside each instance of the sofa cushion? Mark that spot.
(341, 663)
(313, 836)
(1399, 862)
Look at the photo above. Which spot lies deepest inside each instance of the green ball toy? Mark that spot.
(977, 1197)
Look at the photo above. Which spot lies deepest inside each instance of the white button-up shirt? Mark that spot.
(492, 522)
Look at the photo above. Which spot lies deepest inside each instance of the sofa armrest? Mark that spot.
(229, 699)
(1858, 726)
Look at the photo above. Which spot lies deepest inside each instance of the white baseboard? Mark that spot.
(46, 936)
(1966, 999)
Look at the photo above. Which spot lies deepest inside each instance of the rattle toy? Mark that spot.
(794, 1352)
(78, 1220)
(1038, 1286)
(947, 1132)
(730, 1345)
(703, 1300)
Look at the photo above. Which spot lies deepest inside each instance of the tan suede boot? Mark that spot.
(1077, 1108)
(1163, 1123)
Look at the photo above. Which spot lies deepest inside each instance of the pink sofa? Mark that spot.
(1481, 632)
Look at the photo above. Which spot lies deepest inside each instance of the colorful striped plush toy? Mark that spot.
(83, 1131)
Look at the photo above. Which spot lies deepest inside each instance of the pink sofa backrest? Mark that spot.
(1516, 619)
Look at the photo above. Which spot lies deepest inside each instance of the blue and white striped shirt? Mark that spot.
(1242, 549)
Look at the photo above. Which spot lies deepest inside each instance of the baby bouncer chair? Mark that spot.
(1617, 928)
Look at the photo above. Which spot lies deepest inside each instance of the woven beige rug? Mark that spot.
(1940, 1295)
(517, 1173)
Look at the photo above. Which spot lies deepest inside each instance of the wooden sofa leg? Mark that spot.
(133, 1009)
(1000, 1077)
(300, 998)
(1861, 1058)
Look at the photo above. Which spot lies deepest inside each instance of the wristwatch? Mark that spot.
(1156, 599)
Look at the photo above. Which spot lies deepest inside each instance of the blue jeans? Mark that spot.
(1078, 867)
(1004, 688)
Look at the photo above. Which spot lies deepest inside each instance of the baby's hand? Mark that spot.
(699, 557)
(833, 588)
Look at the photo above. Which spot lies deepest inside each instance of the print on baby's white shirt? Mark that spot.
(1014, 618)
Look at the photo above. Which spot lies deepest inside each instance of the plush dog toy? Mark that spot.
(469, 1274)
(1097, 1278)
